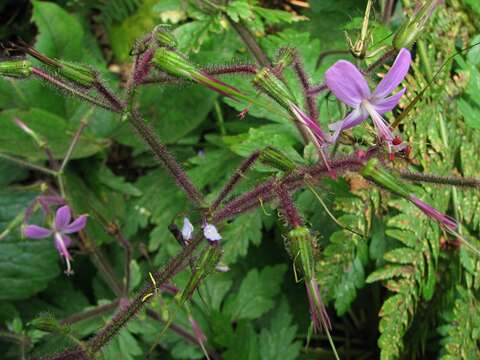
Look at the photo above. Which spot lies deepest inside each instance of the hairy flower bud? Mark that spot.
(164, 37)
(286, 57)
(276, 159)
(409, 32)
(176, 65)
(47, 322)
(77, 73)
(267, 82)
(301, 244)
(15, 68)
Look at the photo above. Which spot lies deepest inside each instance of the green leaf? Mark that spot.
(53, 129)
(13, 204)
(239, 9)
(278, 340)
(244, 345)
(238, 235)
(60, 34)
(123, 346)
(108, 178)
(26, 267)
(389, 272)
(256, 294)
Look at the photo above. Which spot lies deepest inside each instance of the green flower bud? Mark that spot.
(47, 322)
(302, 248)
(205, 265)
(176, 65)
(285, 59)
(410, 30)
(77, 73)
(19, 69)
(266, 81)
(381, 177)
(164, 37)
(276, 159)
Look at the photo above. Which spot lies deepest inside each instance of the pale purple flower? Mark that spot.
(211, 233)
(60, 228)
(187, 229)
(349, 86)
(434, 213)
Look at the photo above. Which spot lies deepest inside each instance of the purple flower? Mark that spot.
(434, 213)
(61, 227)
(350, 87)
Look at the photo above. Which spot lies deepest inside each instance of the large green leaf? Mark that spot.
(60, 34)
(26, 267)
(52, 128)
(256, 294)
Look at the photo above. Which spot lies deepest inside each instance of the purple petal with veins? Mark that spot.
(36, 232)
(76, 225)
(347, 83)
(385, 105)
(62, 217)
(395, 75)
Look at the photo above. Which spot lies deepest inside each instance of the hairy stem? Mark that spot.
(63, 86)
(441, 180)
(85, 315)
(250, 41)
(237, 176)
(166, 159)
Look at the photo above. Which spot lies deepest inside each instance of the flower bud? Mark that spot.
(267, 82)
(286, 57)
(47, 322)
(164, 37)
(15, 68)
(410, 30)
(176, 65)
(205, 265)
(372, 172)
(301, 244)
(276, 159)
(77, 73)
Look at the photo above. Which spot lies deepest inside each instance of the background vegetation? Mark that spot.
(404, 290)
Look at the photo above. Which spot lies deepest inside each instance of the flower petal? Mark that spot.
(187, 229)
(383, 129)
(62, 242)
(353, 119)
(395, 75)
(310, 124)
(62, 217)
(384, 105)
(76, 225)
(347, 83)
(36, 232)
(211, 233)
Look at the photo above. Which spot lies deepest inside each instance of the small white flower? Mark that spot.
(211, 233)
(187, 229)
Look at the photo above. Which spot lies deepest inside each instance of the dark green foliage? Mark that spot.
(396, 285)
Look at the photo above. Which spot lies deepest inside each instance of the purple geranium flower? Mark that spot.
(350, 87)
(61, 227)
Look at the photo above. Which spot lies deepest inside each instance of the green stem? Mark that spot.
(422, 51)
(219, 116)
(28, 165)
